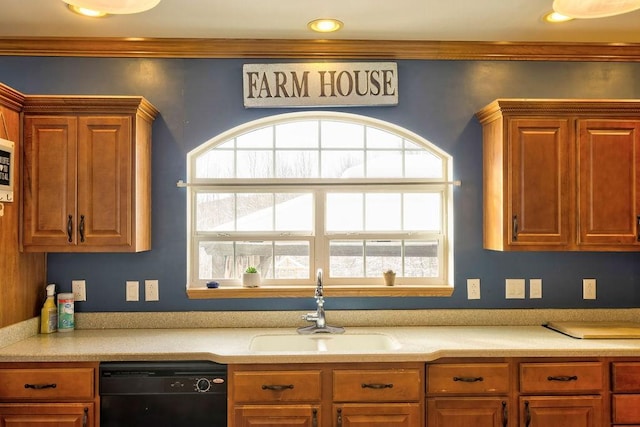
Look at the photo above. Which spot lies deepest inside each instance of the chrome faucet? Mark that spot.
(318, 316)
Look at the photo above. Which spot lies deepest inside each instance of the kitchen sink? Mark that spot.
(361, 343)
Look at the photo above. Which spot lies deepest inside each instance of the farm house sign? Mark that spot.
(320, 84)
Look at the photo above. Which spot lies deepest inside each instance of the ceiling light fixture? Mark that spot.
(325, 25)
(556, 18)
(115, 7)
(586, 9)
(86, 12)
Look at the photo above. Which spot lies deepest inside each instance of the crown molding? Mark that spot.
(318, 49)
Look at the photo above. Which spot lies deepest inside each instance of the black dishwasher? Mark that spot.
(180, 393)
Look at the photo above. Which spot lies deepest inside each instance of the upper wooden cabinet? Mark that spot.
(561, 175)
(87, 174)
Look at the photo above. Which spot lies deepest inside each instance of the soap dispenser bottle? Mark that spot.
(49, 313)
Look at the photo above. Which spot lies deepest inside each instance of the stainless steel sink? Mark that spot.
(360, 343)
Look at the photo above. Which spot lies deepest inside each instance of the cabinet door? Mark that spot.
(105, 181)
(276, 416)
(50, 147)
(378, 415)
(49, 414)
(561, 411)
(608, 179)
(467, 411)
(539, 176)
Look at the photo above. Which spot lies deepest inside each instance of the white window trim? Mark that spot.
(333, 286)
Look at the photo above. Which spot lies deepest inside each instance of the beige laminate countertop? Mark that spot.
(231, 345)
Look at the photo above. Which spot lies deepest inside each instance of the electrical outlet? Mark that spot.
(588, 288)
(535, 288)
(514, 288)
(151, 290)
(133, 290)
(78, 287)
(473, 288)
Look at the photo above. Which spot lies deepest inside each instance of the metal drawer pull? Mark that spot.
(377, 386)
(277, 387)
(563, 378)
(468, 379)
(40, 386)
(81, 228)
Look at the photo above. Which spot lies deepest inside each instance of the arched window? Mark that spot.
(296, 192)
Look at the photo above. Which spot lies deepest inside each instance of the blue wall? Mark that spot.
(200, 98)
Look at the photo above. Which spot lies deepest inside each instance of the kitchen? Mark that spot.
(199, 98)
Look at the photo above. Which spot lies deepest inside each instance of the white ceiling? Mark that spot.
(460, 20)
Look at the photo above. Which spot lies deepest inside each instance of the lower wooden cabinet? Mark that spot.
(49, 394)
(561, 411)
(327, 395)
(467, 411)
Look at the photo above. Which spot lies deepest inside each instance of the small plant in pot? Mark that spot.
(251, 277)
(389, 277)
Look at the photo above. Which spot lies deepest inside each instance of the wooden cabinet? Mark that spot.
(49, 394)
(337, 395)
(566, 394)
(87, 174)
(468, 394)
(561, 175)
(625, 397)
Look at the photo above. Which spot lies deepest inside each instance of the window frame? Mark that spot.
(319, 244)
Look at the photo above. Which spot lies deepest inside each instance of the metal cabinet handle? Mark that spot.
(40, 386)
(314, 418)
(468, 379)
(563, 378)
(377, 386)
(505, 414)
(339, 420)
(81, 228)
(514, 227)
(70, 228)
(527, 414)
(277, 387)
(638, 228)
(85, 417)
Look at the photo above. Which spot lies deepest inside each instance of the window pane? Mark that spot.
(377, 138)
(254, 164)
(346, 258)
(344, 212)
(215, 260)
(294, 212)
(421, 164)
(423, 212)
(421, 259)
(254, 212)
(383, 212)
(382, 256)
(342, 164)
(254, 254)
(292, 260)
(297, 164)
(341, 135)
(259, 138)
(384, 164)
(297, 135)
(215, 211)
(215, 164)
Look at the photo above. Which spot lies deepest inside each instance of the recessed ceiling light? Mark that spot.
(556, 18)
(86, 12)
(325, 25)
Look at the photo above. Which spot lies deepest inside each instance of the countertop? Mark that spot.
(232, 345)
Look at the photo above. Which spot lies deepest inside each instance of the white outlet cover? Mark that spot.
(151, 292)
(588, 288)
(473, 288)
(79, 289)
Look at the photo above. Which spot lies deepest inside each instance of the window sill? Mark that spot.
(329, 291)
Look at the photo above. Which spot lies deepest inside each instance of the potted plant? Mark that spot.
(389, 277)
(251, 278)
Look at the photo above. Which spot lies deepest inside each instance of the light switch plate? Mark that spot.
(588, 288)
(535, 288)
(514, 288)
(133, 290)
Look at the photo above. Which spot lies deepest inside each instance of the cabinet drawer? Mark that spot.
(561, 377)
(476, 378)
(277, 386)
(625, 376)
(45, 383)
(625, 408)
(388, 385)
